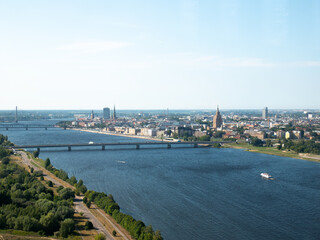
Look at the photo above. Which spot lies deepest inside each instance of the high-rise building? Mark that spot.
(217, 119)
(265, 113)
(106, 113)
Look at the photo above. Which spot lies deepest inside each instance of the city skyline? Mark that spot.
(171, 54)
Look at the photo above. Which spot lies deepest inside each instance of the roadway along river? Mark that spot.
(190, 193)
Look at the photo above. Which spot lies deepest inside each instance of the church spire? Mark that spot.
(114, 112)
(217, 119)
(92, 115)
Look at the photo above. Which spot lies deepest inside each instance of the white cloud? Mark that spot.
(216, 61)
(93, 47)
(246, 62)
(309, 64)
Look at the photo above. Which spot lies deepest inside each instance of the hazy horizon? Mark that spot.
(173, 109)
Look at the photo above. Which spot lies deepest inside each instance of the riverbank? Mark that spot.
(245, 146)
(274, 151)
(83, 213)
(119, 134)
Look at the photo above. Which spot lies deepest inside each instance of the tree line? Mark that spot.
(137, 229)
(26, 204)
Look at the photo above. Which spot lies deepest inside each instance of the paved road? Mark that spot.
(79, 206)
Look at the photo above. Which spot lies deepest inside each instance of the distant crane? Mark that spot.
(16, 116)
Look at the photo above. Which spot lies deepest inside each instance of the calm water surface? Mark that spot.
(194, 193)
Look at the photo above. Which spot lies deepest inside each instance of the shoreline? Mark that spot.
(249, 148)
(119, 134)
(272, 151)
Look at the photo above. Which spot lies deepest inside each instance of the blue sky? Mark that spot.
(183, 54)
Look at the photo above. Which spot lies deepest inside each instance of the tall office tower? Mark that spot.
(106, 113)
(92, 115)
(16, 117)
(114, 113)
(217, 119)
(265, 113)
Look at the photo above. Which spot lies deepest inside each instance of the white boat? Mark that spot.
(91, 142)
(265, 175)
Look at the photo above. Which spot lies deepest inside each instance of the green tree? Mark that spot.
(66, 227)
(204, 138)
(50, 222)
(2, 221)
(50, 184)
(66, 193)
(47, 163)
(35, 154)
(256, 142)
(83, 189)
(64, 212)
(175, 135)
(217, 145)
(72, 180)
(5, 160)
(268, 143)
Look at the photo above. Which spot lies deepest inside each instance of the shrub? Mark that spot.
(100, 236)
(38, 173)
(88, 225)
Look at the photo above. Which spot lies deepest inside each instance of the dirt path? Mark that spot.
(79, 206)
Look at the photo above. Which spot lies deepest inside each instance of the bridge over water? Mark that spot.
(103, 145)
(26, 126)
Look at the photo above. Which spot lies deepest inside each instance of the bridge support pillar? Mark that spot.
(46, 128)
(169, 145)
(137, 146)
(195, 145)
(38, 149)
(7, 129)
(69, 148)
(26, 128)
(64, 128)
(103, 148)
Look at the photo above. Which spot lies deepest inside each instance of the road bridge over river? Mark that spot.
(103, 145)
(26, 126)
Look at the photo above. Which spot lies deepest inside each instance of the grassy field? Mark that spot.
(273, 151)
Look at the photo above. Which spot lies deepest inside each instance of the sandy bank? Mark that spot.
(119, 134)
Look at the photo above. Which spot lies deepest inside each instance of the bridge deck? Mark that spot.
(115, 144)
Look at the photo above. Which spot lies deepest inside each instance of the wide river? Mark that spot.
(194, 193)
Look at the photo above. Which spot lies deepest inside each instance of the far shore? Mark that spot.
(250, 148)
